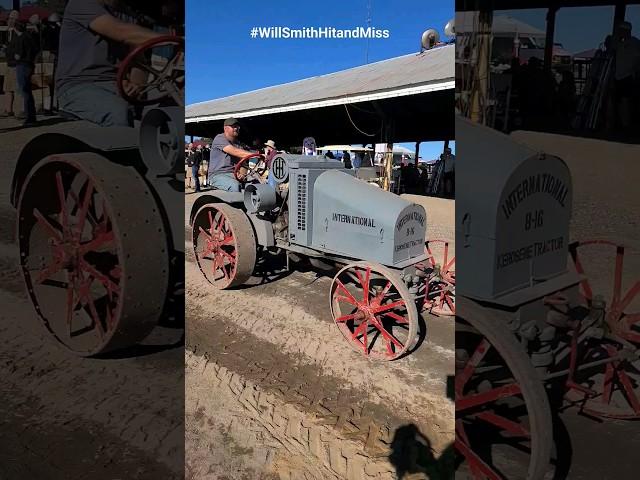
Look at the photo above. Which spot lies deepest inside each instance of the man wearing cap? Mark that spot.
(93, 39)
(225, 152)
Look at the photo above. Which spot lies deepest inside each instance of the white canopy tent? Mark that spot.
(341, 148)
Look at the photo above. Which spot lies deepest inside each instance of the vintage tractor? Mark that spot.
(99, 217)
(530, 329)
(313, 208)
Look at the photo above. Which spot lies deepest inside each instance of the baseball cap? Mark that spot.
(229, 122)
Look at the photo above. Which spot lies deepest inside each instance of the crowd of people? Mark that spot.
(84, 49)
(26, 42)
(548, 99)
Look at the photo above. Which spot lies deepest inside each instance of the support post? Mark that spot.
(548, 46)
(417, 153)
(619, 14)
(483, 60)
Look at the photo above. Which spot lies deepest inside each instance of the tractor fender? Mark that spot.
(118, 144)
(262, 228)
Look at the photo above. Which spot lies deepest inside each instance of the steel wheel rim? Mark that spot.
(381, 325)
(478, 400)
(68, 240)
(216, 254)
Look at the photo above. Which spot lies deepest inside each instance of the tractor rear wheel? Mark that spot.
(224, 245)
(93, 265)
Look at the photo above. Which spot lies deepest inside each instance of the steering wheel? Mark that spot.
(165, 75)
(244, 171)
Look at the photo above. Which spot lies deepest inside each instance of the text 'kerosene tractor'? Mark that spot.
(316, 209)
(530, 330)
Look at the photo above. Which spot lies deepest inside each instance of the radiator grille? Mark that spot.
(302, 202)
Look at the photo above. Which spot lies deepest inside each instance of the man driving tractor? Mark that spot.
(92, 40)
(223, 148)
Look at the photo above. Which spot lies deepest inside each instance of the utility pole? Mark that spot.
(366, 60)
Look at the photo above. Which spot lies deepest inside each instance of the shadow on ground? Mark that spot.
(412, 454)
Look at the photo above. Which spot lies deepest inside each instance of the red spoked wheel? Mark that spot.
(96, 285)
(606, 382)
(153, 72)
(601, 261)
(440, 274)
(604, 353)
(224, 245)
(246, 171)
(374, 310)
(503, 419)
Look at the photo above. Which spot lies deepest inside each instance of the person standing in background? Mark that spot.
(22, 49)
(10, 84)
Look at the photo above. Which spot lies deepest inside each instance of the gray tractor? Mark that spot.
(531, 329)
(314, 208)
(99, 218)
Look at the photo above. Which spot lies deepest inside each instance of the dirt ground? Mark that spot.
(314, 407)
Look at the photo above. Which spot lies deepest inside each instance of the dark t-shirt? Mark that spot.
(220, 161)
(85, 56)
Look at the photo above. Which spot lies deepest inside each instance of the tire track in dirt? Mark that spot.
(104, 413)
(314, 342)
(310, 415)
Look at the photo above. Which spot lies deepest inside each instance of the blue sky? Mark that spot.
(222, 58)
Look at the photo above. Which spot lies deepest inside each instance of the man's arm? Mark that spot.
(123, 32)
(236, 152)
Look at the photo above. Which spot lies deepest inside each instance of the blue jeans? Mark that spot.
(23, 79)
(194, 174)
(224, 181)
(97, 103)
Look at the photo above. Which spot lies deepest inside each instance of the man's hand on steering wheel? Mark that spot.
(245, 172)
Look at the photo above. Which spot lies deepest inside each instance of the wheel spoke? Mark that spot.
(52, 269)
(478, 467)
(386, 335)
(63, 201)
(346, 318)
(607, 384)
(510, 426)
(396, 317)
(42, 220)
(463, 377)
(100, 240)
(84, 207)
(365, 286)
(633, 291)
(388, 306)
(628, 388)
(109, 284)
(202, 230)
(350, 297)
(488, 396)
